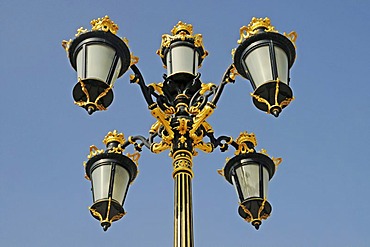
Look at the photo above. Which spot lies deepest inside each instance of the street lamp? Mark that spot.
(264, 57)
(110, 173)
(181, 105)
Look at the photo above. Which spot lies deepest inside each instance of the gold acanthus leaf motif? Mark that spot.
(66, 44)
(116, 150)
(94, 151)
(292, 36)
(114, 136)
(104, 24)
(182, 26)
(253, 26)
(96, 213)
(221, 172)
(159, 147)
(117, 217)
(245, 137)
(163, 119)
(157, 87)
(183, 126)
(133, 59)
(182, 31)
(233, 73)
(277, 161)
(205, 147)
(206, 87)
(80, 31)
(242, 140)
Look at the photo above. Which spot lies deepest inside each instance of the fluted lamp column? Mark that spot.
(183, 209)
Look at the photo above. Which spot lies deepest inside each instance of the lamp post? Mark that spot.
(181, 105)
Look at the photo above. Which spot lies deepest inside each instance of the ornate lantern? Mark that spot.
(99, 57)
(110, 173)
(265, 57)
(250, 174)
(182, 53)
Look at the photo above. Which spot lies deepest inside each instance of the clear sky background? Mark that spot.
(320, 193)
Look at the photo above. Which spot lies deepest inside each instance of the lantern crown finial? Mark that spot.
(260, 22)
(182, 27)
(114, 136)
(254, 26)
(184, 32)
(243, 139)
(104, 24)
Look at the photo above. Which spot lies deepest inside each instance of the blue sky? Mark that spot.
(320, 193)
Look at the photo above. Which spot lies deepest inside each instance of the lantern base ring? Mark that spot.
(272, 97)
(107, 211)
(254, 210)
(92, 94)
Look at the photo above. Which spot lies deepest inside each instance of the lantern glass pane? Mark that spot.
(248, 176)
(266, 179)
(182, 59)
(99, 61)
(101, 179)
(259, 65)
(80, 62)
(120, 185)
(282, 64)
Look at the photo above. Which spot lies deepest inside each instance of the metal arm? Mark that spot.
(138, 146)
(228, 77)
(139, 79)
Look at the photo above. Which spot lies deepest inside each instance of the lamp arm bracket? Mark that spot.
(165, 105)
(228, 77)
(138, 78)
(134, 141)
(200, 98)
(222, 141)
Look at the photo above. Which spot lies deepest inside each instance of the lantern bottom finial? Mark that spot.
(91, 110)
(275, 111)
(106, 225)
(256, 224)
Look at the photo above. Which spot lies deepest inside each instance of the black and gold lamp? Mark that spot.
(265, 57)
(99, 58)
(181, 105)
(250, 173)
(110, 173)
